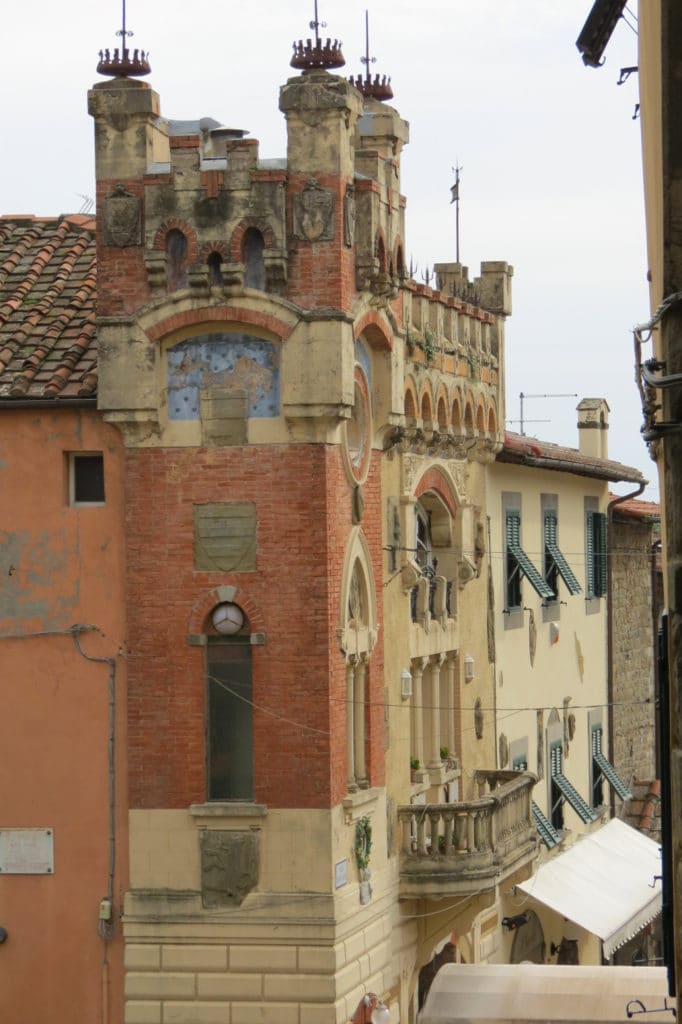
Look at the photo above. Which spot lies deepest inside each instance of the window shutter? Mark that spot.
(589, 553)
(600, 542)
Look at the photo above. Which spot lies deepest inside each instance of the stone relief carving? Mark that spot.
(229, 867)
(122, 219)
(313, 213)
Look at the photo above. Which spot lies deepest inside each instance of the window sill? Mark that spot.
(513, 618)
(228, 809)
(357, 805)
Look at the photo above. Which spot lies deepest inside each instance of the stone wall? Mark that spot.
(632, 619)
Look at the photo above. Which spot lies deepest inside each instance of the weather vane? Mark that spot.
(308, 56)
(121, 64)
(380, 88)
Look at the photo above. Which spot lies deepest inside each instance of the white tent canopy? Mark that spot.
(608, 883)
(487, 993)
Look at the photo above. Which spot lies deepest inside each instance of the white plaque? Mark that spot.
(26, 851)
(340, 873)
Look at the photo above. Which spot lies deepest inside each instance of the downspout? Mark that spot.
(105, 925)
(609, 616)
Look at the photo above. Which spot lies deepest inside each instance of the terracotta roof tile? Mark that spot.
(636, 508)
(530, 451)
(48, 283)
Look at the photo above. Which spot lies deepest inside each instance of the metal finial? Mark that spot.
(380, 87)
(309, 55)
(122, 64)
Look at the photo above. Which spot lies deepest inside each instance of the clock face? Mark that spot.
(356, 438)
(227, 619)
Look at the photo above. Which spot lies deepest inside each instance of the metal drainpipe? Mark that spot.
(609, 616)
(106, 927)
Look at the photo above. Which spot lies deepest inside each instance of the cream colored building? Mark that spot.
(549, 526)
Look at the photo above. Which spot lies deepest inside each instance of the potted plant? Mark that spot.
(415, 765)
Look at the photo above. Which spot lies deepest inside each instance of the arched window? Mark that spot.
(410, 410)
(229, 698)
(215, 269)
(442, 414)
(254, 264)
(400, 262)
(176, 260)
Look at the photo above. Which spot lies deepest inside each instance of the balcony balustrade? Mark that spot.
(469, 845)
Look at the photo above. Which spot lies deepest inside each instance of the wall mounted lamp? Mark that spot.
(469, 668)
(405, 684)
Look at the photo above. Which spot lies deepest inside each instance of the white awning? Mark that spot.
(604, 883)
(487, 993)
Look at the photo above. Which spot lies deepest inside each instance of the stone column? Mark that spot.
(359, 722)
(417, 744)
(450, 732)
(434, 712)
(350, 724)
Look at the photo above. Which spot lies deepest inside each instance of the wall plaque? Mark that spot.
(26, 851)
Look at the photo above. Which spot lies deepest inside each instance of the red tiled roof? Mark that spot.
(635, 508)
(48, 283)
(530, 451)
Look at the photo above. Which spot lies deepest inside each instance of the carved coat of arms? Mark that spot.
(313, 213)
(122, 218)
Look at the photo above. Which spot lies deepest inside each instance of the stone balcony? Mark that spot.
(470, 845)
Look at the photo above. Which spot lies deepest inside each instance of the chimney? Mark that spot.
(593, 425)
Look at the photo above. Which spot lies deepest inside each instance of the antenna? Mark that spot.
(87, 204)
(523, 397)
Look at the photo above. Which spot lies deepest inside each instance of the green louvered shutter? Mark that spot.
(600, 553)
(555, 562)
(589, 554)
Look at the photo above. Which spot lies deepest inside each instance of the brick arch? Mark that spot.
(380, 250)
(480, 416)
(469, 412)
(434, 479)
(442, 417)
(457, 409)
(374, 329)
(411, 405)
(236, 248)
(218, 595)
(426, 404)
(399, 259)
(208, 248)
(221, 316)
(492, 417)
(175, 224)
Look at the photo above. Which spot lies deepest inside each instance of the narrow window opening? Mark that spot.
(215, 269)
(254, 263)
(176, 260)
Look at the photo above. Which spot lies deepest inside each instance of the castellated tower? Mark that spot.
(305, 431)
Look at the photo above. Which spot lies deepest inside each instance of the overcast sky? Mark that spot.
(551, 178)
